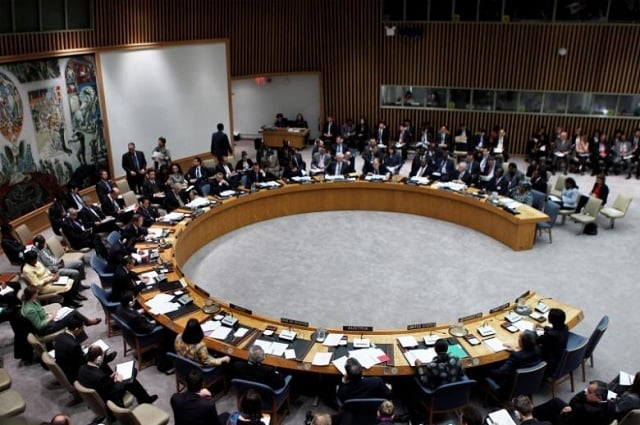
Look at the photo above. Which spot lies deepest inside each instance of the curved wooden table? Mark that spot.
(192, 234)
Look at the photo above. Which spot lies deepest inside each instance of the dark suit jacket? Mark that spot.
(368, 387)
(448, 167)
(467, 178)
(103, 189)
(171, 200)
(217, 188)
(384, 138)
(255, 178)
(517, 359)
(57, 213)
(149, 188)
(333, 131)
(191, 409)
(220, 145)
(204, 175)
(128, 163)
(133, 234)
(334, 150)
(69, 355)
(150, 214)
(123, 280)
(139, 323)
(99, 380)
(109, 208)
(259, 373)
(344, 168)
(77, 237)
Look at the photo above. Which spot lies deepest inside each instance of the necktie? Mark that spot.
(93, 212)
(106, 182)
(135, 161)
(421, 171)
(116, 205)
(198, 173)
(338, 169)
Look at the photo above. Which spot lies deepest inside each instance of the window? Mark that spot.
(582, 10)
(45, 15)
(530, 102)
(538, 10)
(466, 10)
(460, 99)
(624, 11)
(507, 101)
(483, 100)
(629, 106)
(579, 103)
(555, 103)
(604, 104)
(437, 98)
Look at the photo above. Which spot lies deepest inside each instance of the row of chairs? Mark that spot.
(11, 402)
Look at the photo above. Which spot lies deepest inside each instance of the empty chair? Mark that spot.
(272, 400)
(96, 404)
(5, 380)
(53, 367)
(445, 398)
(589, 214)
(558, 187)
(23, 234)
(183, 366)
(113, 237)
(570, 361)
(139, 343)
(99, 265)
(56, 248)
(362, 411)
(527, 381)
(551, 209)
(594, 339)
(123, 185)
(107, 306)
(143, 414)
(130, 198)
(618, 209)
(538, 199)
(11, 404)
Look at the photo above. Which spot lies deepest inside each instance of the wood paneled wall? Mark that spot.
(345, 41)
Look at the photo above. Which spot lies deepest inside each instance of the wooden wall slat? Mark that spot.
(345, 41)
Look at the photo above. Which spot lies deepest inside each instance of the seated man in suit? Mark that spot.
(256, 175)
(134, 232)
(138, 322)
(421, 169)
(339, 147)
(68, 351)
(353, 385)
(195, 406)
(198, 177)
(588, 407)
(148, 213)
(219, 184)
(76, 233)
(104, 185)
(57, 213)
(254, 370)
(152, 188)
(351, 162)
(114, 207)
(462, 175)
(524, 411)
(230, 175)
(444, 168)
(443, 369)
(110, 385)
(377, 168)
(93, 216)
(38, 276)
(339, 167)
(320, 161)
(177, 197)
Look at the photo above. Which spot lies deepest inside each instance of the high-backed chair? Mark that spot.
(618, 209)
(99, 265)
(11, 404)
(23, 234)
(143, 414)
(129, 198)
(362, 411)
(570, 361)
(113, 237)
(107, 306)
(445, 398)
(589, 214)
(71, 249)
(538, 199)
(631, 418)
(96, 404)
(56, 248)
(558, 187)
(139, 343)
(123, 185)
(594, 339)
(5, 380)
(527, 381)
(53, 367)
(183, 366)
(272, 400)
(551, 209)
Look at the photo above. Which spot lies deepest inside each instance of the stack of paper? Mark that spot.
(425, 355)
(62, 313)
(407, 341)
(62, 281)
(369, 357)
(125, 370)
(210, 326)
(301, 179)
(221, 333)
(6, 290)
(332, 340)
(274, 348)
(340, 363)
(626, 378)
(500, 417)
(494, 344)
(419, 180)
(524, 325)
(172, 216)
(322, 359)
(150, 277)
(198, 202)
(269, 184)
(458, 187)
(334, 177)
(377, 177)
(162, 304)
(227, 193)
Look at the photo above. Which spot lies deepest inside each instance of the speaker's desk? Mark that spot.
(273, 137)
(192, 234)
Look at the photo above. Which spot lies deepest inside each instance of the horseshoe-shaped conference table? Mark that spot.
(191, 234)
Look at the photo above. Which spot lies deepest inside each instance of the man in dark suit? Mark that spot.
(256, 175)
(104, 186)
(339, 147)
(76, 233)
(254, 370)
(175, 198)
(135, 165)
(57, 213)
(111, 206)
(134, 231)
(198, 177)
(195, 406)
(329, 131)
(109, 385)
(444, 168)
(443, 139)
(230, 175)
(473, 168)
(152, 187)
(219, 184)
(353, 385)
(339, 167)
(381, 134)
(91, 215)
(588, 407)
(220, 145)
(138, 322)
(148, 213)
(351, 162)
(462, 174)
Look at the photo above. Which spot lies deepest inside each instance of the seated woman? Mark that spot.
(176, 176)
(554, 339)
(599, 191)
(569, 195)
(523, 193)
(45, 323)
(125, 279)
(528, 355)
(189, 344)
(38, 276)
(393, 161)
(627, 401)
(250, 412)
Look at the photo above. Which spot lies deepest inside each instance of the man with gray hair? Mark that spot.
(587, 407)
(254, 370)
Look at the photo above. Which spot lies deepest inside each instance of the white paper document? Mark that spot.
(125, 370)
(340, 363)
(62, 313)
(210, 325)
(226, 193)
(290, 354)
(221, 333)
(626, 378)
(425, 355)
(408, 341)
(494, 344)
(501, 417)
(322, 359)
(240, 332)
(524, 325)
(368, 357)
(332, 340)
(162, 304)
(62, 281)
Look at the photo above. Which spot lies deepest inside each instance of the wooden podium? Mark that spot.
(273, 137)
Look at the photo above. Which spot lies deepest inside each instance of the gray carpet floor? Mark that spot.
(358, 268)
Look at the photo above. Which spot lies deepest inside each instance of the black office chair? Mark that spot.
(594, 339)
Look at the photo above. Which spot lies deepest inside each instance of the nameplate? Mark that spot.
(357, 328)
(420, 326)
(242, 309)
(206, 294)
(294, 322)
(523, 295)
(499, 308)
(469, 317)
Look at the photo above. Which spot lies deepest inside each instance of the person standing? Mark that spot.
(220, 145)
(135, 165)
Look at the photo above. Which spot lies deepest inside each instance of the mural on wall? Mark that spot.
(50, 131)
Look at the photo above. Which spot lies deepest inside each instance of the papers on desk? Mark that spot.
(198, 202)
(457, 187)
(500, 417)
(125, 370)
(524, 325)
(376, 178)
(172, 216)
(274, 348)
(210, 326)
(509, 203)
(130, 208)
(560, 154)
(221, 333)
(150, 276)
(62, 281)
(361, 343)
(494, 344)
(6, 290)
(157, 232)
(369, 357)
(162, 304)
(340, 363)
(302, 179)
(330, 177)
(268, 185)
(419, 180)
(322, 359)
(333, 340)
(626, 379)
(240, 332)
(425, 355)
(407, 341)
(555, 199)
(62, 313)
(290, 354)
(227, 193)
